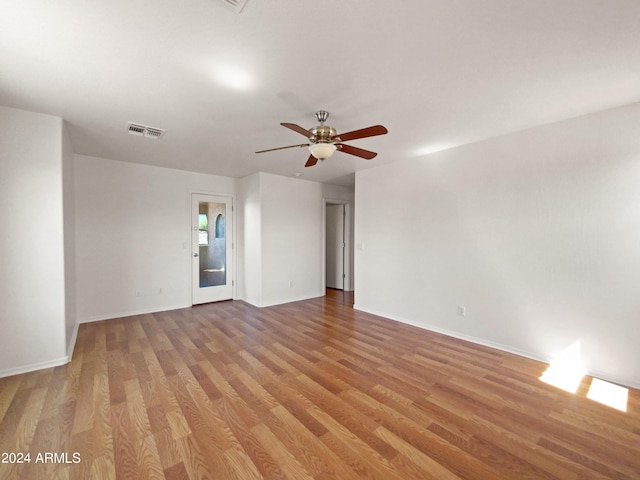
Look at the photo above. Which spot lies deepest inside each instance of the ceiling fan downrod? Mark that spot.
(322, 116)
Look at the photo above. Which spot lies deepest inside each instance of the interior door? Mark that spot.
(335, 246)
(212, 248)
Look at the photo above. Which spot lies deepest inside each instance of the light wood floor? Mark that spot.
(308, 390)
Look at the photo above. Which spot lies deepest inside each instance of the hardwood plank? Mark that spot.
(167, 448)
(260, 457)
(8, 389)
(349, 442)
(124, 440)
(426, 467)
(195, 462)
(313, 455)
(283, 457)
(176, 472)
(240, 464)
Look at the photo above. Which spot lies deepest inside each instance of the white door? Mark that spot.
(212, 248)
(335, 246)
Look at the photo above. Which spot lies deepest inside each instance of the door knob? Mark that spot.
(195, 254)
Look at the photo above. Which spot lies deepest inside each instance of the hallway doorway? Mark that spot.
(338, 245)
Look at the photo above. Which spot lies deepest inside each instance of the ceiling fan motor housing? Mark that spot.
(322, 134)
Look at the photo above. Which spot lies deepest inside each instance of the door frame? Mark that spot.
(234, 241)
(348, 234)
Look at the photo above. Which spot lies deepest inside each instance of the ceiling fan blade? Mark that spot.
(358, 152)
(362, 133)
(282, 148)
(298, 129)
(311, 161)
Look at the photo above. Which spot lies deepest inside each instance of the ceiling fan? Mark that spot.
(324, 141)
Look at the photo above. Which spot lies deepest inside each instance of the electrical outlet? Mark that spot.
(290, 283)
(462, 311)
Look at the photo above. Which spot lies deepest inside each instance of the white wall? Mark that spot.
(536, 233)
(283, 239)
(337, 192)
(292, 239)
(32, 277)
(69, 226)
(250, 239)
(133, 236)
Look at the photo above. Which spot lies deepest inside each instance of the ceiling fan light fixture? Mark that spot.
(322, 151)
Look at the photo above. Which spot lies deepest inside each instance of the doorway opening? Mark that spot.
(338, 252)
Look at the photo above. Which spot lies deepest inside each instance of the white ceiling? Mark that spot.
(436, 73)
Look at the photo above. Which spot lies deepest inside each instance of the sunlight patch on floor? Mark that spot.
(566, 371)
(610, 394)
(566, 377)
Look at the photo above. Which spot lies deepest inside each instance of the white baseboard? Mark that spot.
(33, 367)
(282, 301)
(498, 346)
(130, 313)
(46, 364)
(72, 342)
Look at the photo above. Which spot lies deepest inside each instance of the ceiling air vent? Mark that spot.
(135, 129)
(144, 130)
(236, 5)
(153, 132)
